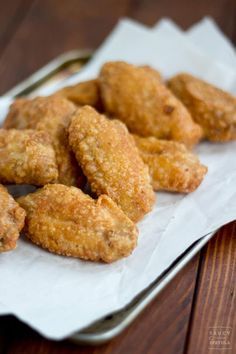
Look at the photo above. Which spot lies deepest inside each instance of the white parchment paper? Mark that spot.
(58, 295)
(207, 36)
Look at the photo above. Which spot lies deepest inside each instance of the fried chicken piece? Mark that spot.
(66, 221)
(12, 218)
(111, 162)
(18, 117)
(27, 157)
(172, 167)
(138, 97)
(212, 108)
(83, 93)
(152, 71)
(50, 114)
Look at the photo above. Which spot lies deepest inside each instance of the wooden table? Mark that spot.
(203, 295)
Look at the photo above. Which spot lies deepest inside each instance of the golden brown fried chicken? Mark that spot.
(83, 93)
(18, 117)
(171, 166)
(12, 218)
(50, 114)
(212, 108)
(66, 221)
(111, 162)
(152, 71)
(139, 98)
(27, 157)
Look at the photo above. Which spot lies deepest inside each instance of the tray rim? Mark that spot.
(81, 337)
(46, 70)
(97, 338)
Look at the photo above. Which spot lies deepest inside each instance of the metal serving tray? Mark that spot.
(110, 326)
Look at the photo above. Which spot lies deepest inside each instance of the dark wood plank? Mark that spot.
(56, 26)
(216, 294)
(4, 334)
(185, 12)
(162, 325)
(53, 27)
(11, 15)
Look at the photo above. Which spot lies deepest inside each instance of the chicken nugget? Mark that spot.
(66, 221)
(110, 160)
(83, 93)
(213, 109)
(171, 166)
(12, 218)
(27, 157)
(138, 97)
(50, 114)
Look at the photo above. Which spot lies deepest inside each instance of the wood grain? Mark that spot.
(52, 27)
(215, 304)
(55, 26)
(185, 12)
(11, 15)
(162, 325)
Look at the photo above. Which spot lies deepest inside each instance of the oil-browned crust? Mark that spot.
(66, 221)
(12, 218)
(50, 114)
(152, 72)
(212, 108)
(83, 93)
(27, 157)
(171, 166)
(138, 97)
(111, 162)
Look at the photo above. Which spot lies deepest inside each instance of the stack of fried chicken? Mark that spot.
(99, 150)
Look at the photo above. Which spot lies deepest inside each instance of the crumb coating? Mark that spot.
(66, 221)
(12, 218)
(212, 108)
(27, 157)
(172, 166)
(138, 97)
(110, 160)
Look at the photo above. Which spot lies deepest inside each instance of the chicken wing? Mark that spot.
(111, 162)
(50, 114)
(12, 218)
(66, 221)
(138, 97)
(27, 157)
(171, 166)
(83, 93)
(212, 108)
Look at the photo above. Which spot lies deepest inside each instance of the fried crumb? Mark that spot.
(213, 109)
(68, 222)
(12, 218)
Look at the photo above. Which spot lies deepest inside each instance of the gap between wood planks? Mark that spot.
(214, 303)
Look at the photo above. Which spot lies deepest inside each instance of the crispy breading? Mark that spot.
(12, 218)
(66, 221)
(83, 93)
(171, 166)
(18, 117)
(111, 162)
(152, 71)
(27, 157)
(139, 98)
(212, 108)
(51, 114)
